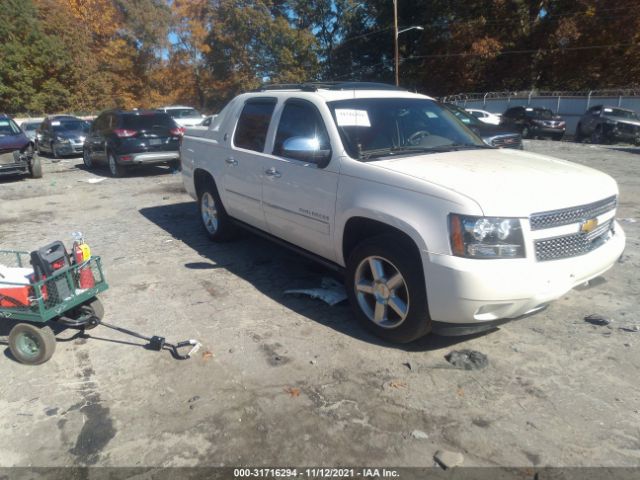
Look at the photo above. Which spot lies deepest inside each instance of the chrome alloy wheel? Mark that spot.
(209, 212)
(382, 292)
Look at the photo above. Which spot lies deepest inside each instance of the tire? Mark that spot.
(114, 169)
(596, 136)
(215, 221)
(95, 308)
(32, 345)
(86, 159)
(174, 165)
(54, 152)
(36, 167)
(391, 307)
(557, 138)
(578, 136)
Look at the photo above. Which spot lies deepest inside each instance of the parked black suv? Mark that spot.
(16, 150)
(494, 135)
(61, 135)
(534, 122)
(609, 124)
(126, 138)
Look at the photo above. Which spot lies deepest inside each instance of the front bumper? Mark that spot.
(474, 292)
(14, 168)
(551, 131)
(148, 158)
(69, 148)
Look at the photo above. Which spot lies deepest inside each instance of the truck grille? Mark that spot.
(507, 141)
(572, 245)
(567, 216)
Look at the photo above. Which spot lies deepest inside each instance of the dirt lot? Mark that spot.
(290, 380)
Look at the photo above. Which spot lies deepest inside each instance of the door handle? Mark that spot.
(272, 172)
(231, 161)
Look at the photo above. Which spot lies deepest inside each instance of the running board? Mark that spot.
(300, 251)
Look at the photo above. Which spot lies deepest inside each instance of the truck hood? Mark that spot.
(508, 182)
(629, 121)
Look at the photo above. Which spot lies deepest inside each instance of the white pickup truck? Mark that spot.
(434, 229)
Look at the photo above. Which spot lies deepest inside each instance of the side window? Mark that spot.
(301, 119)
(251, 132)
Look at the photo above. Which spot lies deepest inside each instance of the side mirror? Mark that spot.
(306, 149)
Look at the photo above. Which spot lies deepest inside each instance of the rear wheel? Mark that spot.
(32, 345)
(386, 288)
(578, 136)
(115, 169)
(215, 220)
(86, 158)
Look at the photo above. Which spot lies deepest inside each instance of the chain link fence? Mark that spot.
(569, 105)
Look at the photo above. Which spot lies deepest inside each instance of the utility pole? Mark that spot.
(395, 40)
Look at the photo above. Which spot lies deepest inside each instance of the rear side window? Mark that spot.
(251, 132)
(147, 121)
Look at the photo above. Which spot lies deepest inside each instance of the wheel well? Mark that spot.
(358, 229)
(202, 178)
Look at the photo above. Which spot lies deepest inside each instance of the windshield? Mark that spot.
(183, 112)
(539, 113)
(618, 112)
(375, 127)
(30, 126)
(465, 117)
(70, 125)
(8, 127)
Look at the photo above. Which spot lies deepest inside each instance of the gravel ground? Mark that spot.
(285, 380)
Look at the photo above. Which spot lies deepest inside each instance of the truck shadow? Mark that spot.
(272, 269)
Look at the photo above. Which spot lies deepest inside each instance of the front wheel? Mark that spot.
(386, 288)
(36, 167)
(32, 345)
(215, 220)
(54, 151)
(597, 137)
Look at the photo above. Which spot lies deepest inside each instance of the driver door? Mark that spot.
(299, 196)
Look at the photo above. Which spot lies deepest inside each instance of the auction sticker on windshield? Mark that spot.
(346, 117)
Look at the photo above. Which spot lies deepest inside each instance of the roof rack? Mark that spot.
(315, 86)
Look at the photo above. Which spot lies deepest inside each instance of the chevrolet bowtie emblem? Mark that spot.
(588, 226)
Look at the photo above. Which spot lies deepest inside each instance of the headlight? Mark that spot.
(486, 237)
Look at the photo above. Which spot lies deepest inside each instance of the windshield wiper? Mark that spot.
(390, 151)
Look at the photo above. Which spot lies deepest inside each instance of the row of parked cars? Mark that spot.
(599, 124)
(120, 139)
(116, 138)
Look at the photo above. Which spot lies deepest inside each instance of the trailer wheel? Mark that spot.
(95, 309)
(32, 345)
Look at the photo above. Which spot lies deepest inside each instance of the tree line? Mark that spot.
(87, 55)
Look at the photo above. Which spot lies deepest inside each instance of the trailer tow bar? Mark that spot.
(159, 343)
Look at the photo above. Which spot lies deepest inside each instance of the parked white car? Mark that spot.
(184, 116)
(433, 229)
(483, 115)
